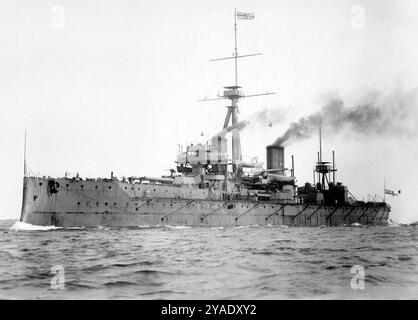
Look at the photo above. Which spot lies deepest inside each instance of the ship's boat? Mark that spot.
(208, 188)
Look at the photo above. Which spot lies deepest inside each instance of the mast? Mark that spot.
(234, 93)
(236, 48)
(324, 168)
(320, 141)
(24, 158)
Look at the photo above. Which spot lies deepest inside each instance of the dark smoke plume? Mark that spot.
(375, 114)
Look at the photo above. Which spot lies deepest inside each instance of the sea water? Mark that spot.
(178, 262)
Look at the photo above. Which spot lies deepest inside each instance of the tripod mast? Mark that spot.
(234, 93)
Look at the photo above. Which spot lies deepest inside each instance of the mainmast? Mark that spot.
(324, 168)
(320, 141)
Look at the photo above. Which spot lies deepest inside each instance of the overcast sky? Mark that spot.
(113, 85)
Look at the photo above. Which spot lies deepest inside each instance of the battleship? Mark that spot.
(208, 187)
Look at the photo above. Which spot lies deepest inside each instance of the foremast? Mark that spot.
(234, 94)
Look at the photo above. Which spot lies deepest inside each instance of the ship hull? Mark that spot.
(116, 204)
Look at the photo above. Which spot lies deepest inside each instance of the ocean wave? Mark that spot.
(355, 224)
(119, 283)
(404, 257)
(264, 252)
(177, 227)
(241, 227)
(102, 228)
(393, 224)
(23, 226)
(152, 272)
(161, 292)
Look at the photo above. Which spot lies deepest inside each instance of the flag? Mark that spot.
(391, 192)
(245, 15)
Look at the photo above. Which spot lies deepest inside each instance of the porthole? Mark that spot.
(114, 203)
(96, 187)
(40, 183)
(105, 203)
(155, 190)
(126, 188)
(35, 197)
(139, 189)
(82, 186)
(132, 188)
(110, 187)
(67, 185)
(97, 204)
(78, 203)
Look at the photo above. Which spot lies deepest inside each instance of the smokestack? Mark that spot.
(275, 158)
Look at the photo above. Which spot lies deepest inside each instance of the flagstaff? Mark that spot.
(24, 158)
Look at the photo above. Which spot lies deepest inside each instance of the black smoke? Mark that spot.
(375, 114)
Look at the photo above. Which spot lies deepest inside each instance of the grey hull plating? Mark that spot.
(116, 204)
